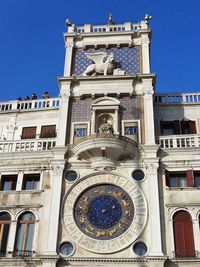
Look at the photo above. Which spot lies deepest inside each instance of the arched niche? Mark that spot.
(105, 108)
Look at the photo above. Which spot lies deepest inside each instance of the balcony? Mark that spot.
(29, 104)
(186, 98)
(105, 147)
(127, 26)
(23, 253)
(27, 145)
(179, 141)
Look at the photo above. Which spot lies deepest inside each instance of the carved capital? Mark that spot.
(148, 91)
(57, 170)
(145, 42)
(64, 95)
(151, 168)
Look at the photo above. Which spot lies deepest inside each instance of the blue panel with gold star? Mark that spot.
(127, 59)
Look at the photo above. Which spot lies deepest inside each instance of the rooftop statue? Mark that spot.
(100, 66)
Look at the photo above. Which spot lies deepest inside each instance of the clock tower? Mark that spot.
(110, 204)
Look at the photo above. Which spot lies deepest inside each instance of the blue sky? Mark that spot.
(32, 48)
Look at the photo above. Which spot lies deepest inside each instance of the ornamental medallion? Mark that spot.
(104, 212)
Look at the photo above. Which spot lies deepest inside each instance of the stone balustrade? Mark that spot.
(179, 141)
(29, 104)
(27, 145)
(127, 26)
(185, 98)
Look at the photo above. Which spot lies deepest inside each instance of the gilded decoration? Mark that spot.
(104, 212)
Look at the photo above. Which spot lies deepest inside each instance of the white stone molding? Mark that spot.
(28, 209)
(105, 105)
(155, 247)
(145, 53)
(138, 127)
(19, 181)
(63, 113)
(148, 112)
(73, 128)
(50, 243)
(110, 245)
(12, 235)
(195, 223)
(68, 56)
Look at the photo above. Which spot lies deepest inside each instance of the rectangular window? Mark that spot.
(177, 127)
(197, 179)
(28, 132)
(8, 182)
(188, 127)
(31, 182)
(48, 131)
(131, 130)
(177, 180)
(80, 132)
(170, 127)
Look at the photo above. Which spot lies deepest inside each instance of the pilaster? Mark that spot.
(145, 54)
(63, 112)
(12, 233)
(148, 111)
(54, 207)
(151, 164)
(68, 56)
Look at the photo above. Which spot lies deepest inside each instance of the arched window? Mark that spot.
(24, 235)
(183, 235)
(5, 220)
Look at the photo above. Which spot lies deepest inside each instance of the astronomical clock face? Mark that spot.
(104, 212)
(100, 216)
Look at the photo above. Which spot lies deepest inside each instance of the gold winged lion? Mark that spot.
(100, 66)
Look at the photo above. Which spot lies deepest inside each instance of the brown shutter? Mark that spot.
(167, 177)
(189, 178)
(183, 235)
(192, 127)
(161, 126)
(176, 127)
(48, 131)
(183, 124)
(28, 133)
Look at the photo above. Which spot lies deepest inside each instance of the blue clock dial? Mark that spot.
(104, 211)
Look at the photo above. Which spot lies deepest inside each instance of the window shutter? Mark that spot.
(167, 175)
(48, 131)
(183, 235)
(183, 124)
(28, 132)
(176, 127)
(189, 178)
(192, 127)
(161, 126)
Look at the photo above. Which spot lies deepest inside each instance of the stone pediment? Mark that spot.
(105, 101)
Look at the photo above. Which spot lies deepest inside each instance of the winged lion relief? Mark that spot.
(103, 64)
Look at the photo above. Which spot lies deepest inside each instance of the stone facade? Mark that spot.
(107, 173)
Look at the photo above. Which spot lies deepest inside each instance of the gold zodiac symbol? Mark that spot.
(82, 219)
(85, 198)
(117, 194)
(127, 213)
(88, 231)
(112, 232)
(99, 190)
(125, 203)
(100, 233)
